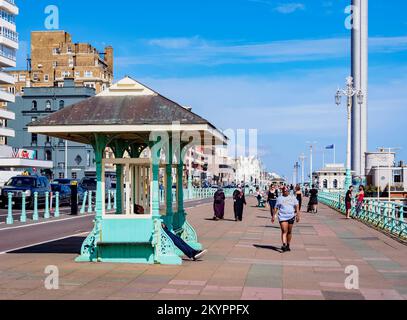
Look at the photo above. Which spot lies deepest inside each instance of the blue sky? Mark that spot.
(242, 64)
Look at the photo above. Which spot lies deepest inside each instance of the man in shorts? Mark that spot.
(288, 213)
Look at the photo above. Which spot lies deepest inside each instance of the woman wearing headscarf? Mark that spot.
(239, 202)
(219, 204)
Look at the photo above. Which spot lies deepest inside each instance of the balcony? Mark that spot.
(10, 6)
(5, 132)
(8, 38)
(6, 78)
(7, 115)
(7, 57)
(6, 96)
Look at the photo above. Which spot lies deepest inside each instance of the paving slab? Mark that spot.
(244, 261)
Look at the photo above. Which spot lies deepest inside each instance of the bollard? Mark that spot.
(114, 199)
(35, 214)
(51, 202)
(90, 202)
(56, 213)
(109, 201)
(10, 219)
(23, 217)
(46, 214)
(84, 202)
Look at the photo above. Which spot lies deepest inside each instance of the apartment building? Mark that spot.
(8, 49)
(54, 57)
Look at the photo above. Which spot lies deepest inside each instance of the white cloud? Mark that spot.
(289, 7)
(197, 51)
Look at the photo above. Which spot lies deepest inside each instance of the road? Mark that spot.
(23, 235)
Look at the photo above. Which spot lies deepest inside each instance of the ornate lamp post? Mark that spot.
(349, 92)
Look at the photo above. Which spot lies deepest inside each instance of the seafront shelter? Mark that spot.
(132, 119)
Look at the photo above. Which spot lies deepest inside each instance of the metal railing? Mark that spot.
(385, 215)
(52, 207)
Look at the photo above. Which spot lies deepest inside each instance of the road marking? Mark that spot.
(43, 242)
(45, 222)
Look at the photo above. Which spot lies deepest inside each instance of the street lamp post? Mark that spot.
(302, 159)
(311, 180)
(349, 93)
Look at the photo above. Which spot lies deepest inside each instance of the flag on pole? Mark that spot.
(332, 146)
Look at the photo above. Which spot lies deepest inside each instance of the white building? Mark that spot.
(331, 177)
(248, 170)
(382, 171)
(221, 169)
(8, 50)
(10, 159)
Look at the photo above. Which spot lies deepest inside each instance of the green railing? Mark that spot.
(51, 207)
(388, 216)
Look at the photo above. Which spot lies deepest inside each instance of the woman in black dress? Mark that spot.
(298, 195)
(313, 199)
(239, 202)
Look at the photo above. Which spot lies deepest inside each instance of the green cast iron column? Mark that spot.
(180, 216)
(100, 144)
(119, 148)
(155, 190)
(168, 193)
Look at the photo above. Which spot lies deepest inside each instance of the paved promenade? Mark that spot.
(243, 262)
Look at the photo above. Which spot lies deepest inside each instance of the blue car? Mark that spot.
(27, 185)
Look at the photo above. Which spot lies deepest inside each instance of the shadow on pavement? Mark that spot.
(261, 246)
(211, 219)
(70, 245)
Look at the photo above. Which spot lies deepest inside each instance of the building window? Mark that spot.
(34, 139)
(397, 176)
(22, 77)
(46, 77)
(325, 184)
(54, 64)
(34, 105)
(61, 104)
(48, 105)
(77, 74)
(88, 74)
(48, 155)
(70, 62)
(61, 175)
(74, 175)
(55, 51)
(35, 77)
(335, 184)
(69, 49)
(66, 74)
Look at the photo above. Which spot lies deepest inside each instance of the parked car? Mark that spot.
(63, 181)
(28, 185)
(64, 193)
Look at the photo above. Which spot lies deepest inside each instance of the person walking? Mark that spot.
(239, 202)
(272, 196)
(298, 195)
(219, 204)
(258, 196)
(359, 199)
(348, 202)
(313, 200)
(288, 213)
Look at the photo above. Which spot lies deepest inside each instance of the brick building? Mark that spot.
(54, 57)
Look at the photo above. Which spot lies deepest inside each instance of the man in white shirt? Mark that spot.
(288, 213)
